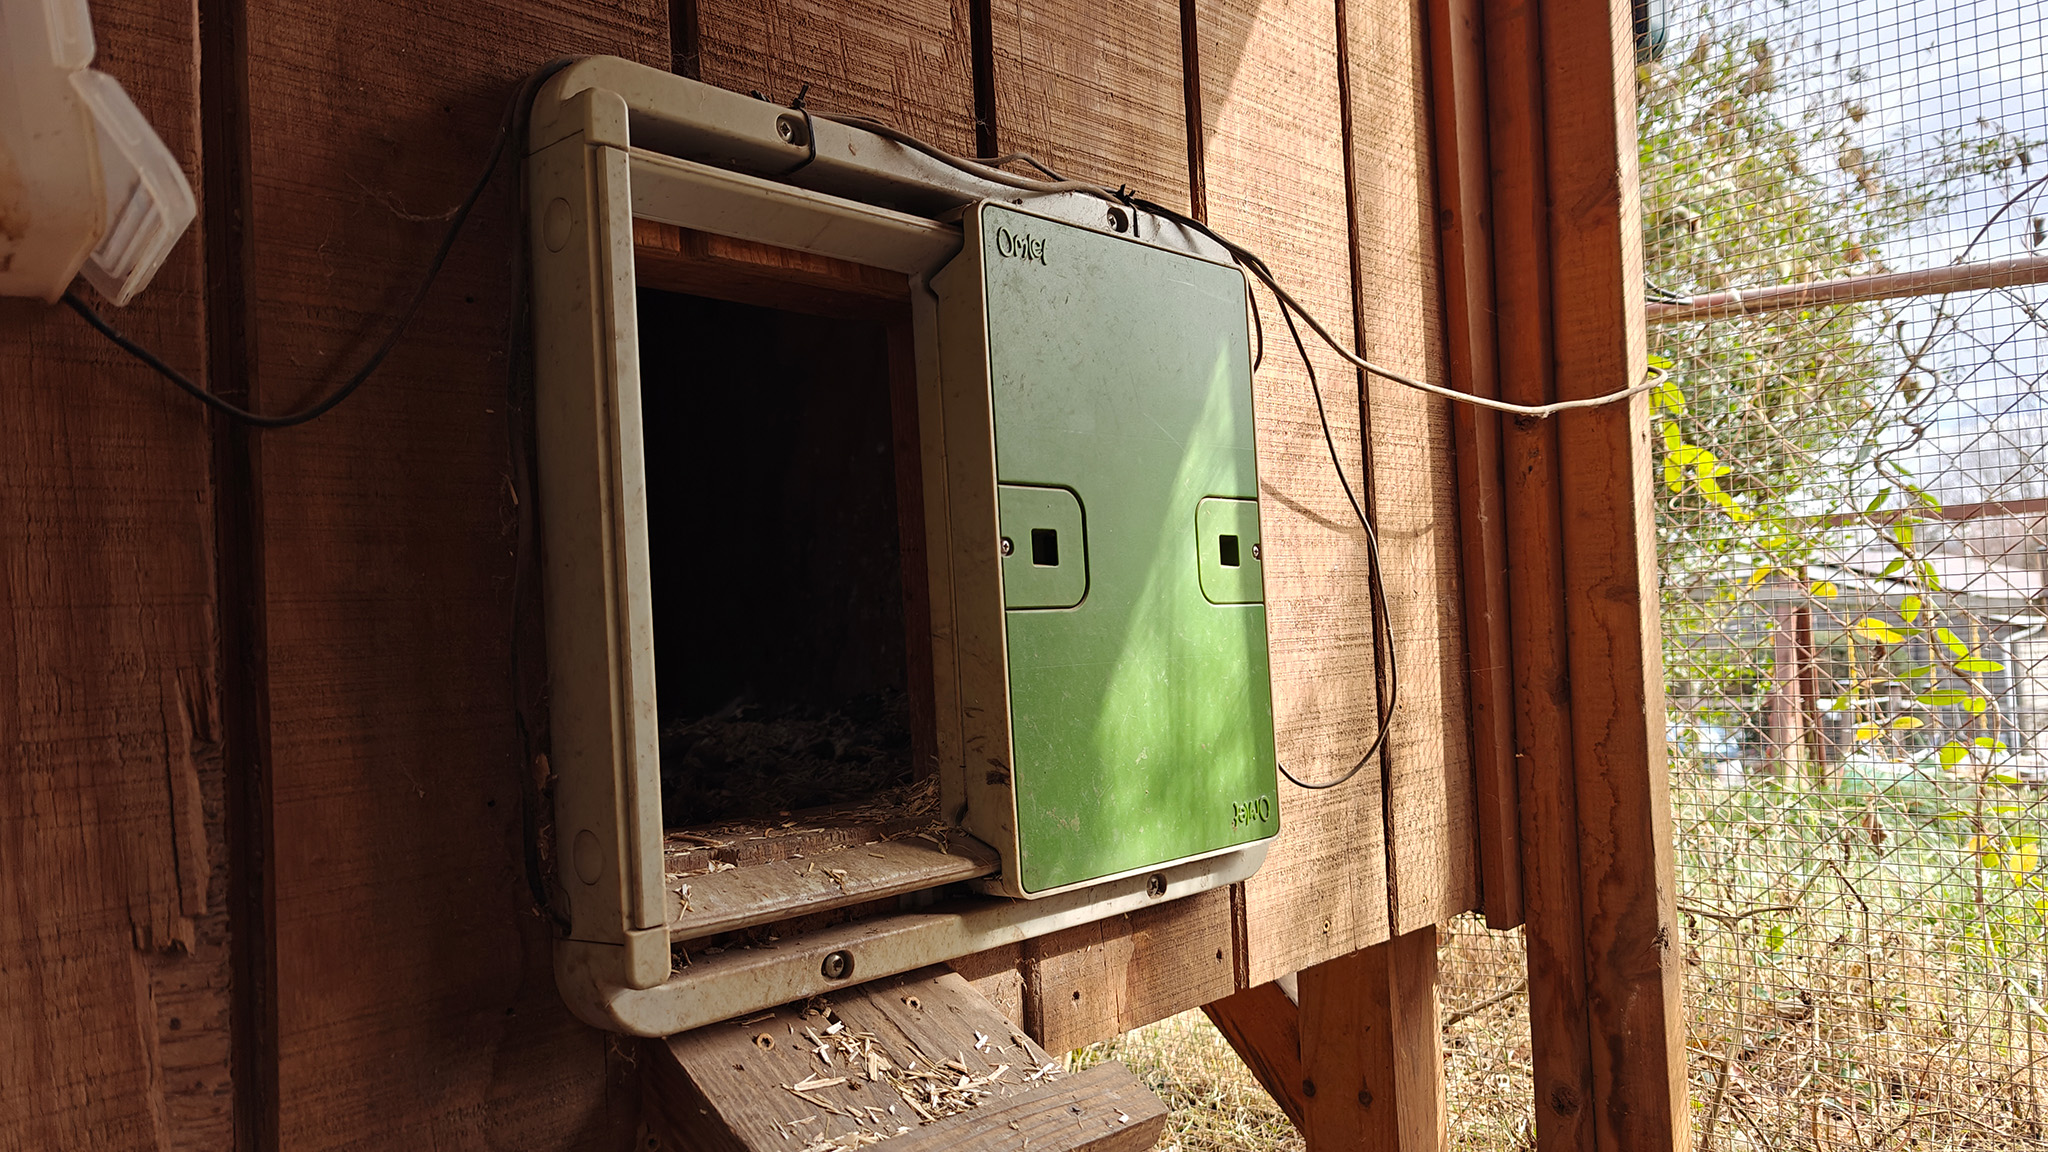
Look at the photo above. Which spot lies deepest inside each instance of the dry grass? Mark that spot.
(1218, 1106)
(1841, 1049)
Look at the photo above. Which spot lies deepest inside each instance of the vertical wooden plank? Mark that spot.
(998, 977)
(1431, 840)
(1094, 91)
(1372, 1049)
(1458, 85)
(906, 63)
(415, 994)
(1273, 154)
(1559, 1028)
(114, 965)
(1610, 572)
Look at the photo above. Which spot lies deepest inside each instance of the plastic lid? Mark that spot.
(70, 27)
(149, 204)
(50, 202)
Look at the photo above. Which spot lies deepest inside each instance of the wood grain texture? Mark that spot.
(1610, 582)
(710, 901)
(703, 264)
(1094, 91)
(1264, 1028)
(1458, 95)
(1104, 1109)
(1273, 154)
(729, 1085)
(906, 63)
(114, 964)
(1397, 286)
(1558, 1024)
(415, 994)
(1371, 1050)
(998, 976)
(1101, 980)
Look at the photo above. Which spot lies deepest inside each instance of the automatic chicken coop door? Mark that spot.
(1102, 711)
(1131, 661)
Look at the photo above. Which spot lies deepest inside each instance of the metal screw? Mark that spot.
(1255, 551)
(1156, 886)
(1008, 547)
(1308, 1088)
(1117, 221)
(791, 129)
(838, 966)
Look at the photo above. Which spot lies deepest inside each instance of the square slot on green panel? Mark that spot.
(1227, 550)
(1045, 557)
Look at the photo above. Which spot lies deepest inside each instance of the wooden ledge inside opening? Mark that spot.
(674, 259)
(739, 873)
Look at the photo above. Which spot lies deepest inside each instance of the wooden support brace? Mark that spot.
(1359, 1065)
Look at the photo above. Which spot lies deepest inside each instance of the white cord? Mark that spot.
(1248, 260)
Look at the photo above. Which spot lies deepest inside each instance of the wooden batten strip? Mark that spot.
(1558, 1022)
(1458, 89)
(1615, 670)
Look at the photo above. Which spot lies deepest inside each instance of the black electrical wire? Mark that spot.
(989, 168)
(519, 367)
(515, 114)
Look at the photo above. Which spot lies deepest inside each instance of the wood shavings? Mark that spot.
(756, 1018)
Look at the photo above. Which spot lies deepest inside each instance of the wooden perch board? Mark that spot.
(920, 1061)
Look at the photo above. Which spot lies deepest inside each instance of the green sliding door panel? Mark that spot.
(1141, 715)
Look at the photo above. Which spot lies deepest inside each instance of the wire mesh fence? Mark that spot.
(1852, 533)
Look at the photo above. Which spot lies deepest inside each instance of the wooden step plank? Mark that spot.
(833, 877)
(1104, 1109)
(869, 1052)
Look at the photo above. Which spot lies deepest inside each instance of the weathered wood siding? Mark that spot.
(397, 989)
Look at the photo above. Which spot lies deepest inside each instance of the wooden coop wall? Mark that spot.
(259, 817)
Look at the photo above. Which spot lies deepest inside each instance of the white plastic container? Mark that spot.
(85, 184)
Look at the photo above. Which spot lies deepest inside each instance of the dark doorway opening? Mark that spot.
(776, 555)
